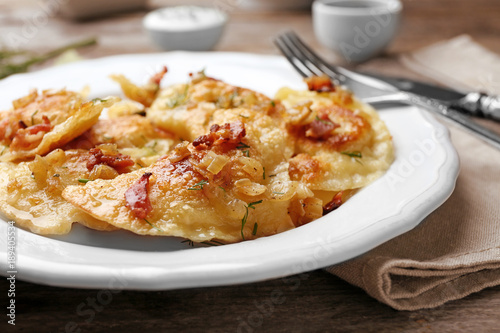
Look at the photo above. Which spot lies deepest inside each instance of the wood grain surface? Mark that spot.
(312, 302)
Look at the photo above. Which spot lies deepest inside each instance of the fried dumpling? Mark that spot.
(30, 192)
(187, 109)
(340, 143)
(209, 189)
(39, 123)
(145, 94)
(132, 135)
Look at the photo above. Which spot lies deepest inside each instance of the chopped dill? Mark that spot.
(272, 176)
(99, 100)
(82, 180)
(233, 96)
(56, 175)
(179, 99)
(151, 224)
(32, 117)
(252, 204)
(356, 154)
(245, 217)
(243, 116)
(254, 231)
(324, 121)
(198, 186)
(241, 145)
(263, 173)
(273, 104)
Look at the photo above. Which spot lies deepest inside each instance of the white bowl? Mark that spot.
(357, 30)
(189, 28)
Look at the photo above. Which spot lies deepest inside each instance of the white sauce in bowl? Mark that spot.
(184, 18)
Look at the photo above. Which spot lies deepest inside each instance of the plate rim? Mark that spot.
(37, 270)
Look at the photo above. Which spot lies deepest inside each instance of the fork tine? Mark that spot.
(307, 54)
(292, 59)
(300, 56)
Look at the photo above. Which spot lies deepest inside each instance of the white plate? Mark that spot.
(420, 180)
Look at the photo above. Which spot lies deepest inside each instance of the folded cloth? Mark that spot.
(456, 250)
(460, 63)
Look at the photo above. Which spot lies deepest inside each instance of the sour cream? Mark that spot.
(184, 18)
(190, 28)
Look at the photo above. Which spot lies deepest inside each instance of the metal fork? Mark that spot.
(371, 90)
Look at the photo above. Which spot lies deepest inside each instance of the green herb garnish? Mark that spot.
(99, 100)
(328, 122)
(254, 231)
(232, 97)
(56, 175)
(263, 173)
(356, 154)
(273, 104)
(32, 119)
(245, 217)
(198, 186)
(179, 99)
(9, 66)
(85, 181)
(246, 117)
(151, 224)
(241, 145)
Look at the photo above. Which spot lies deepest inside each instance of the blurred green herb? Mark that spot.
(13, 62)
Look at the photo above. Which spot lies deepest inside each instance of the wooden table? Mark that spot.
(316, 301)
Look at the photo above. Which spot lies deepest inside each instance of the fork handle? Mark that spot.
(480, 104)
(442, 110)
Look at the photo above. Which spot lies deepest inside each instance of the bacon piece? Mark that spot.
(335, 203)
(136, 197)
(118, 161)
(29, 137)
(22, 125)
(320, 128)
(43, 127)
(156, 79)
(228, 136)
(320, 84)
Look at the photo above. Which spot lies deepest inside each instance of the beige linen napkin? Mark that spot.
(456, 250)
